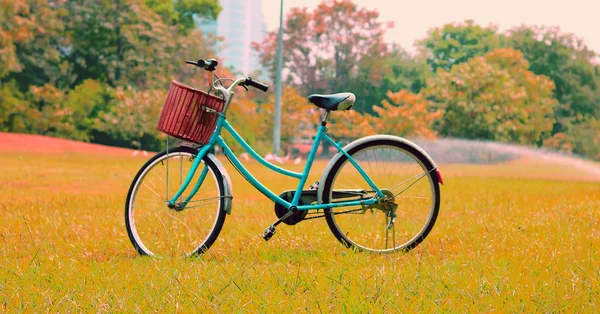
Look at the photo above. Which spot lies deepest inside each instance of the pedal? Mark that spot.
(269, 232)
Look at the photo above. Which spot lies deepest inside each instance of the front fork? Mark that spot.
(179, 206)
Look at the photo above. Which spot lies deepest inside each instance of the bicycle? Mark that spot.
(372, 193)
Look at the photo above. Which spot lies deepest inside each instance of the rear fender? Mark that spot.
(366, 139)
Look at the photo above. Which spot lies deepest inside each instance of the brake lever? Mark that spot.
(244, 86)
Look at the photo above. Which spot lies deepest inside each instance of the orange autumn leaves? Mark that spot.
(405, 114)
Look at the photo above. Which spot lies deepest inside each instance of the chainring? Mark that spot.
(280, 211)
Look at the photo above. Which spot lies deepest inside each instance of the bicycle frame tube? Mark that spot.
(216, 139)
(308, 165)
(257, 184)
(198, 184)
(275, 198)
(255, 155)
(303, 177)
(356, 165)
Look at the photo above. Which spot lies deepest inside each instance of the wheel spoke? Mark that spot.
(419, 176)
(154, 192)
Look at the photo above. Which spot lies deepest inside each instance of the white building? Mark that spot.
(240, 23)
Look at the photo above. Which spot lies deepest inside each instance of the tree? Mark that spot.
(180, 13)
(581, 137)
(348, 126)
(47, 114)
(134, 116)
(493, 97)
(85, 103)
(456, 43)
(13, 109)
(394, 71)
(119, 42)
(63, 63)
(29, 42)
(323, 49)
(406, 115)
(17, 27)
(568, 62)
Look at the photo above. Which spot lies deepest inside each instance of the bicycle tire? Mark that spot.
(147, 241)
(348, 232)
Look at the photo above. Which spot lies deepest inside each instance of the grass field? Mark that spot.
(517, 237)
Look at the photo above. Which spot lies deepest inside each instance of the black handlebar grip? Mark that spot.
(208, 65)
(256, 84)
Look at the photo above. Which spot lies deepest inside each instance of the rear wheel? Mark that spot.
(158, 230)
(407, 213)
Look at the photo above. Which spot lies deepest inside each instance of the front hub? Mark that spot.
(176, 207)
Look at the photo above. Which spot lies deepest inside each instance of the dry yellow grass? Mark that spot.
(517, 237)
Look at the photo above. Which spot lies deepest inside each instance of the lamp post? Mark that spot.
(277, 125)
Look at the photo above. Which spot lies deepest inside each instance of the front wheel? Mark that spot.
(407, 212)
(157, 229)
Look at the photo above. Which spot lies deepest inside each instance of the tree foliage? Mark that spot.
(30, 42)
(180, 13)
(455, 43)
(134, 115)
(349, 125)
(61, 59)
(299, 118)
(394, 71)
(98, 70)
(324, 49)
(18, 28)
(13, 109)
(568, 62)
(406, 115)
(494, 97)
(581, 137)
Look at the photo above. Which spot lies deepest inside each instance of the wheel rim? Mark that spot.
(161, 231)
(393, 170)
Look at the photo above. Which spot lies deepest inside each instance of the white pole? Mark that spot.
(277, 125)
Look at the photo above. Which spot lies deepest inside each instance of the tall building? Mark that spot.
(240, 23)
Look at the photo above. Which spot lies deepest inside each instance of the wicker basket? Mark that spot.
(189, 114)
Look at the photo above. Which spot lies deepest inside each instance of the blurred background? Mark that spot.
(461, 78)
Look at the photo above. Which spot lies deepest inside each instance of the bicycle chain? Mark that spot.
(344, 212)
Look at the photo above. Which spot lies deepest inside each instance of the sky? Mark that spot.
(412, 19)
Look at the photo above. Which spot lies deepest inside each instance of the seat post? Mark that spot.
(325, 118)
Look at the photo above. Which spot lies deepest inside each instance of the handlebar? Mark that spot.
(255, 84)
(208, 65)
(211, 65)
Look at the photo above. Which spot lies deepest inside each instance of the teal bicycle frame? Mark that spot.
(216, 139)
